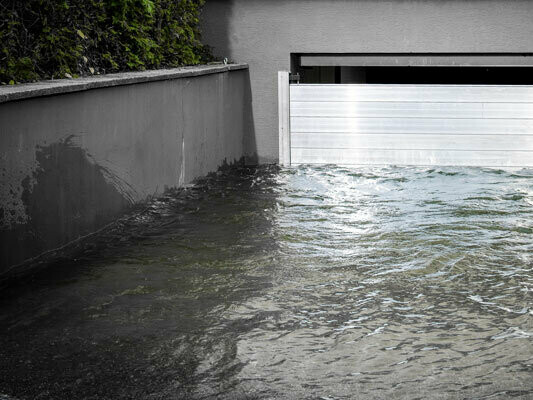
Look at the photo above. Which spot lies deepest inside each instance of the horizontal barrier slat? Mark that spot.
(416, 93)
(411, 141)
(412, 125)
(410, 109)
(412, 157)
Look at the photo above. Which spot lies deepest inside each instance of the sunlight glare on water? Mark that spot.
(398, 282)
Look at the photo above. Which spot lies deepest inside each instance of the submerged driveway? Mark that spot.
(308, 283)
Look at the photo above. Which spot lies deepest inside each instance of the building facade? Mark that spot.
(277, 35)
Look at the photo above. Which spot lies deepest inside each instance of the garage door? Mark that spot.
(363, 124)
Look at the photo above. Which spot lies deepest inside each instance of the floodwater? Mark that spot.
(306, 283)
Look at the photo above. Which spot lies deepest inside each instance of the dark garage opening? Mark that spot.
(417, 75)
(415, 68)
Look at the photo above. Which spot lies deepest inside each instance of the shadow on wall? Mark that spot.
(220, 42)
(249, 143)
(66, 197)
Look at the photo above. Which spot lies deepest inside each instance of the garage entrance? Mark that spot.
(408, 123)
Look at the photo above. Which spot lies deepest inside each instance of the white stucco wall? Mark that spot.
(265, 33)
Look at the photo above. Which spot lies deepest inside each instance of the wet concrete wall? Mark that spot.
(72, 163)
(265, 33)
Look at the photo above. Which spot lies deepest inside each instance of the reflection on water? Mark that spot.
(312, 282)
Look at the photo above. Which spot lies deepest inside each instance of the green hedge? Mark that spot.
(43, 39)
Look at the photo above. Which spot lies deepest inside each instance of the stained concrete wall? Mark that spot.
(265, 33)
(71, 163)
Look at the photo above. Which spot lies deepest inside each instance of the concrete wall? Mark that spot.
(71, 163)
(265, 33)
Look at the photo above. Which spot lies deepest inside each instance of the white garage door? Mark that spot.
(411, 125)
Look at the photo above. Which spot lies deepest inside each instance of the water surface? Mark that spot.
(309, 283)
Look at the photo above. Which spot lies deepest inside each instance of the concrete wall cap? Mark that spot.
(61, 86)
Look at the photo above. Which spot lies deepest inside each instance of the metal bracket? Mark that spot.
(294, 78)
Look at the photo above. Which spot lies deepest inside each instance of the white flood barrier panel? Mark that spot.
(469, 125)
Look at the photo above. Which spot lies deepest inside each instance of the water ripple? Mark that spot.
(310, 282)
